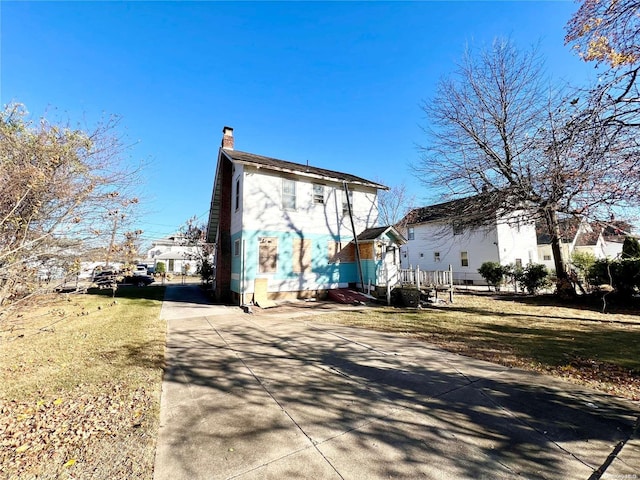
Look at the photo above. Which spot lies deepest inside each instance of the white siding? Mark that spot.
(263, 210)
(499, 243)
(236, 215)
(517, 242)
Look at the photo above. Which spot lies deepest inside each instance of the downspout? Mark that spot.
(242, 273)
(355, 235)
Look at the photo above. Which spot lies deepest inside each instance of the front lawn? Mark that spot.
(576, 343)
(80, 383)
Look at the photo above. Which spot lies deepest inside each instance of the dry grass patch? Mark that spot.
(80, 387)
(575, 343)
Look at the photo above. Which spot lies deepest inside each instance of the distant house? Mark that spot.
(285, 229)
(178, 257)
(603, 240)
(437, 237)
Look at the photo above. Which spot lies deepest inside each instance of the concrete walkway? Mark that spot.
(271, 396)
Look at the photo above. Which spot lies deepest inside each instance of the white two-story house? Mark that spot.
(437, 237)
(286, 229)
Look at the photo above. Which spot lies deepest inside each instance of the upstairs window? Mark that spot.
(237, 194)
(288, 194)
(318, 194)
(436, 256)
(345, 206)
(411, 234)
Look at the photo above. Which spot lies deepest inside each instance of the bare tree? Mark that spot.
(57, 186)
(497, 126)
(194, 235)
(394, 204)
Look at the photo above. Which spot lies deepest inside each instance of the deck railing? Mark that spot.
(436, 280)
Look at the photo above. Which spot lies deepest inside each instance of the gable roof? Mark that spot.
(569, 228)
(275, 164)
(475, 208)
(376, 232)
(260, 161)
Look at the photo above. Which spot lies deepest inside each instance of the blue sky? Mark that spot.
(337, 84)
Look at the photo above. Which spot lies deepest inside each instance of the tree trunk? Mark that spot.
(563, 284)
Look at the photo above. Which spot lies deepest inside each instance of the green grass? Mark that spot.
(574, 342)
(80, 386)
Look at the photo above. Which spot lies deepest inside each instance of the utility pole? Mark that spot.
(355, 236)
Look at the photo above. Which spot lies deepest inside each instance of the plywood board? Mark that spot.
(260, 293)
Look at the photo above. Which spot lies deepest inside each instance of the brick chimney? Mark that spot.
(227, 138)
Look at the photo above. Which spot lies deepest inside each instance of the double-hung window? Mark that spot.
(288, 194)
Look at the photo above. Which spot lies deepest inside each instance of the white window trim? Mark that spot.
(294, 195)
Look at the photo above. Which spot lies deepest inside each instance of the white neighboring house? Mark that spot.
(177, 256)
(579, 235)
(435, 239)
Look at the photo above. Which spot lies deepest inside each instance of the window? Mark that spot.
(236, 248)
(547, 258)
(436, 256)
(457, 229)
(288, 194)
(519, 262)
(318, 194)
(464, 259)
(268, 254)
(337, 252)
(421, 255)
(411, 234)
(237, 193)
(301, 255)
(345, 206)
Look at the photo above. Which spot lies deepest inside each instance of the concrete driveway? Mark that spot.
(272, 396)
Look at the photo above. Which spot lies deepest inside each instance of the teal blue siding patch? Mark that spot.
(325, 272)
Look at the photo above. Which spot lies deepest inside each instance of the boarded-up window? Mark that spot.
(268, 254)
(301, 255)
(341, 253)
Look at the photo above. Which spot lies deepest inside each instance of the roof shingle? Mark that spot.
(298, 168)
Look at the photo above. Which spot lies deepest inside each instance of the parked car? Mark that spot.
(140, 270)
(138, 280)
